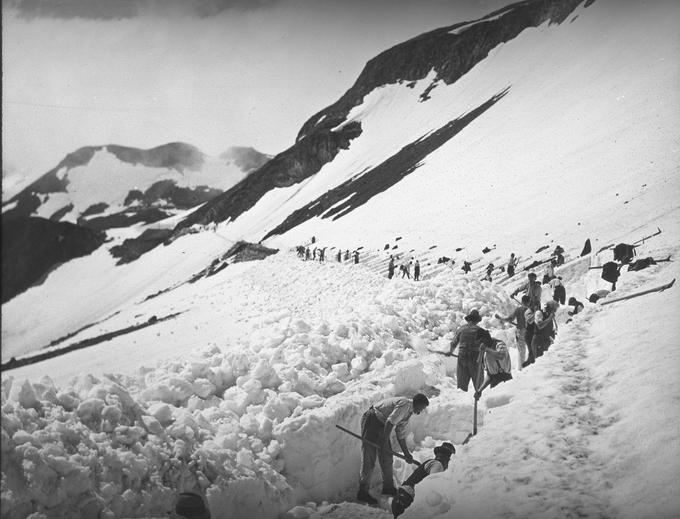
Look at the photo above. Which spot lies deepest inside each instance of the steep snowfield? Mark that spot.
(237, 396)
(316, 344)
(591, 104)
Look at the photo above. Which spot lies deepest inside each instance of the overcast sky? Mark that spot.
(213, 73)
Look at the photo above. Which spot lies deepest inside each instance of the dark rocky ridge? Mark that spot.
(449, 55)
(290, 167)
(31, 247)
(357, 191)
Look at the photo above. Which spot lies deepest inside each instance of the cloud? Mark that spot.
(125, 9)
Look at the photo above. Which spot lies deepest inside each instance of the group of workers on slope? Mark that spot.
(319, 253)
(404, 268)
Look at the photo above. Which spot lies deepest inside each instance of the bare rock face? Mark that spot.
(295, 164)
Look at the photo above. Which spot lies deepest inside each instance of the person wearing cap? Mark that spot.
(376, 426)
(532, 289)
(191, 506)
(406, 492)
(468, 339)
(545, 328)
(497, 365)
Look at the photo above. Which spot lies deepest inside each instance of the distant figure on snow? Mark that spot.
(467, 267)
(406, 492)
(307, 253)
(416, 271)
(558, 255)
(347, 255)
(559, 292)
(376, 426)
(489, 270)
(356, 256)
(314, 254)
(390, 268)
(512, 263)
(338, 256)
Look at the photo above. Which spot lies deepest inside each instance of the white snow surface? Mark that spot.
(238, 395)
(107, 179)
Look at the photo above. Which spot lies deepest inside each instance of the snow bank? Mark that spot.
(251, 424)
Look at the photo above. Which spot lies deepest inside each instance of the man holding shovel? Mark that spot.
(376, 427)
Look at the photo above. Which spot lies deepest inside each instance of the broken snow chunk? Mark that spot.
(312, 401)
(203, 387)
(90, 409)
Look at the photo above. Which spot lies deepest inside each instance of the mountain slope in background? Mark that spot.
(33, 246)
(114, 186)
(562, 129)
(588, 110)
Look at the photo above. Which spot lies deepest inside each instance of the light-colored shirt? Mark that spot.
(498, 364)
(433, 466)
(396, 410)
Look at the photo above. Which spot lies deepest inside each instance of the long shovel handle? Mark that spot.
(369, 442)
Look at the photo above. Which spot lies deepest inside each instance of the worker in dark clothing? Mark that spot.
(467, 267)
(338, 256)
(416, 271)
(512, 263)
(347, 255)
(545, 328)
(469, 339)
(611, 272)
(578, 306)
(356, 256)
(406, 492)
(390, 268)
(307, 253)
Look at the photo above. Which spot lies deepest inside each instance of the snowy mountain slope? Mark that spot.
(263, 362)
(329, 131)
(265, 358)
(113, 186)
(578, 121)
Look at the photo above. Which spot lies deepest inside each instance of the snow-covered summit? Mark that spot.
(113, 186)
